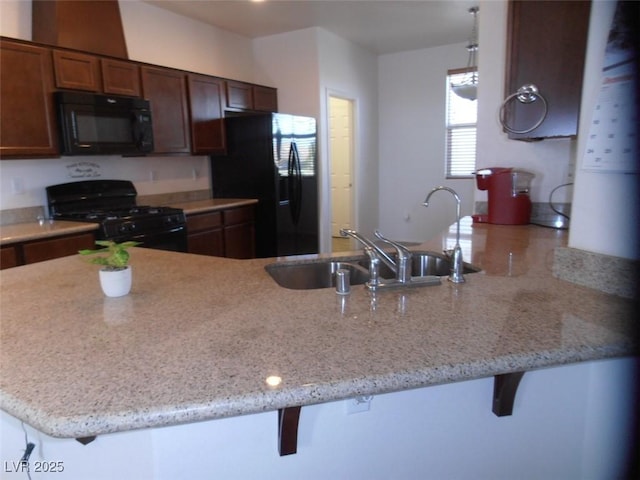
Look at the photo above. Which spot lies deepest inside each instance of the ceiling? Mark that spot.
(380, 26)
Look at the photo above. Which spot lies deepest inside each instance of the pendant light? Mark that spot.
(468, 87)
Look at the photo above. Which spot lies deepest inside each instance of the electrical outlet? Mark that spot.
(359, 404)
(153, 175)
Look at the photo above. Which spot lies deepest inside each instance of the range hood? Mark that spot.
(93, 26)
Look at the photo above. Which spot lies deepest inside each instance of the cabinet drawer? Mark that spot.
(57, 247)
(204, 221)
(238, 215)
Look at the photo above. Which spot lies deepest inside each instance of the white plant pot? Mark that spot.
(116, 283)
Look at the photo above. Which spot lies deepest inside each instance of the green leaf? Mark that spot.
(117, 253)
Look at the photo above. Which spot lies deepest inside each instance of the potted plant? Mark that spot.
(115, 274)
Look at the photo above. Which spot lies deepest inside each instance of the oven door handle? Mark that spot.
(172, 239)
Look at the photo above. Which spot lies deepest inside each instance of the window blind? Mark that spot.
(461, 123)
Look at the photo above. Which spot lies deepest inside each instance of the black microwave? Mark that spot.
(93, 124)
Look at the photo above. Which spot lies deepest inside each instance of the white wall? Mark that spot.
(351, 72)
(15, 19)
(606, 208)
(170, 174)
(291, 62)
(160, 37)
(412, 143)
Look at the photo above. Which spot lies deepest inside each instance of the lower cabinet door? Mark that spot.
(239, 241)
(8, 257)
(210, 242)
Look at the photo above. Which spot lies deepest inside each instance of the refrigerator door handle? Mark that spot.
(295, 184)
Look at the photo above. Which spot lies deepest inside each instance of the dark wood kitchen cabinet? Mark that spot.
(77, 71)
(27, 113)
(166, 89)
(204, 234)
(546, 46)
(243, 96)
(225, 233)
(50, 248)
(81, 71)
(33, 251)
(8, 257)
(120, 77)
(239, 232)
(206, 102)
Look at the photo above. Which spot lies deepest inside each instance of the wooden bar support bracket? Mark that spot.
(288, 430)
(86, 440)
(505, 387)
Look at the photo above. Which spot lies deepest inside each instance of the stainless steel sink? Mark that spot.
(315, 274)
(320, 273)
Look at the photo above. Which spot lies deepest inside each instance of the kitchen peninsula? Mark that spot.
(205, 345)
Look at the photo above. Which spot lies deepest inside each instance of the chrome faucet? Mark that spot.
(401, 267)
(373, 248)
(403, 259)
(457, 263)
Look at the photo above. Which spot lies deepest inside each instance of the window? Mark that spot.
(461, 122)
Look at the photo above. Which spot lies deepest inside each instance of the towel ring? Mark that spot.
(526, 94)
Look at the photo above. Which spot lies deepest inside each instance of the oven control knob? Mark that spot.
(127, 227)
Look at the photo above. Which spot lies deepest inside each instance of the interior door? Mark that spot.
(341, 155)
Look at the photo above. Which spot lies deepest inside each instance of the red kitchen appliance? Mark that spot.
(508, 189)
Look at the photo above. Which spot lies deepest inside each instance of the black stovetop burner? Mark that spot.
(136, 211)
(112, 204)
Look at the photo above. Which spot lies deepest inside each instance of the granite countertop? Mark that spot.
(22, 232)
(201, 337)
(213, 204)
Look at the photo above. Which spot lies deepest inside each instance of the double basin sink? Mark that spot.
(321, 273)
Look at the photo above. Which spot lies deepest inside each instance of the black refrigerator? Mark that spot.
(273, 157)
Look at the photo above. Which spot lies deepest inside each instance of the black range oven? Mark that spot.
(112, 204)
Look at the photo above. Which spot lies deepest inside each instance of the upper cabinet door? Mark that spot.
(27, 116)
(265, 99)
(243, 96)
(77, 71)
(121, 77)
(166, 89)
(546, 46)
(206, 98)
(239, 95)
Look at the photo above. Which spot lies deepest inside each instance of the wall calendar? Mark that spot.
(612, 145)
